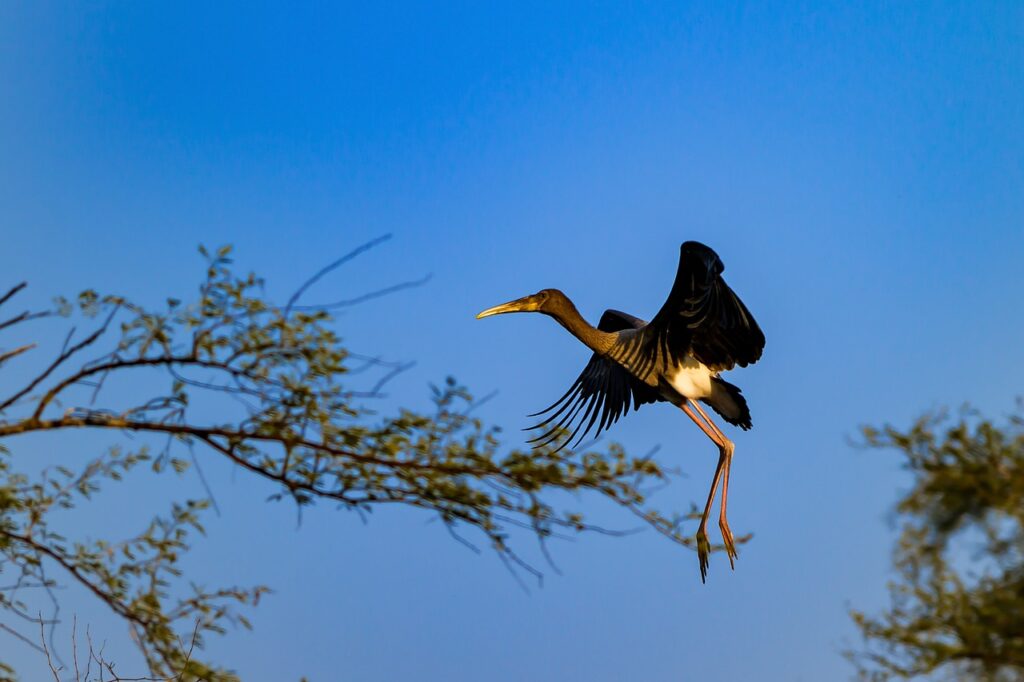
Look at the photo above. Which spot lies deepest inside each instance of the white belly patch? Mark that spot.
(692, 379)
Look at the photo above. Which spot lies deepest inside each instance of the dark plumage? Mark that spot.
(705, 318)
(604, 387)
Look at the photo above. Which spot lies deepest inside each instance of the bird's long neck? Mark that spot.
(567, 316)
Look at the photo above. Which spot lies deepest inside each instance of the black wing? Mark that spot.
(600, 395)
(704, 317)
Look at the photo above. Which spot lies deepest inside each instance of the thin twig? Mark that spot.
(346, 302)
(46, 650)
(202, 476)
(17, 351)
(67, 353)
(341, 261)
(24, 317)
(14, 633)
(74, 646)
(381, 383)
(13, 290)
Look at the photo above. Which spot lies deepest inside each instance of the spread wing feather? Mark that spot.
(601, 394)
(704, 317)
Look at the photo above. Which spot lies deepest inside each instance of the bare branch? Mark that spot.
(333, 266)
(46, 650)
(14, 633)
(12, 291)
(4, 357)
(24, 317)
(346, 302)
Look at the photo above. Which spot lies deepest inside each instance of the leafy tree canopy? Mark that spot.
(957, 604)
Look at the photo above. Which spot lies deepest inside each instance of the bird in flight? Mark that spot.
(702, 329)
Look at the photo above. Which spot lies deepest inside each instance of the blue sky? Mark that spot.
(859, 169)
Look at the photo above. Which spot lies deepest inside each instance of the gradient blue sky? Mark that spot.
(859, 167)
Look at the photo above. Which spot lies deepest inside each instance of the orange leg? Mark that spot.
(725, 449)
(723, 522)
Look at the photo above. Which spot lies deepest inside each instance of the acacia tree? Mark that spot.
(957, 605)
(302, 425)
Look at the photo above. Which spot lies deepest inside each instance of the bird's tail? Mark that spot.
(728, 401)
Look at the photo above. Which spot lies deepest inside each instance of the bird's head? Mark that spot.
(543, 301)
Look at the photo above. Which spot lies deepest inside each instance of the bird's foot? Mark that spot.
(729, 542)
(703, 550)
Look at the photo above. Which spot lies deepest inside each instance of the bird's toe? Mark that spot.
(703, 552)
(730, 544)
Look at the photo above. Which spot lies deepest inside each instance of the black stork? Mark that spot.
(701, 330)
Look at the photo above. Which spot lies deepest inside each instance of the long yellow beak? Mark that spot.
(520, 305)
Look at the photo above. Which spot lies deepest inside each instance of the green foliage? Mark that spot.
(302, 426)
(957, 607)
